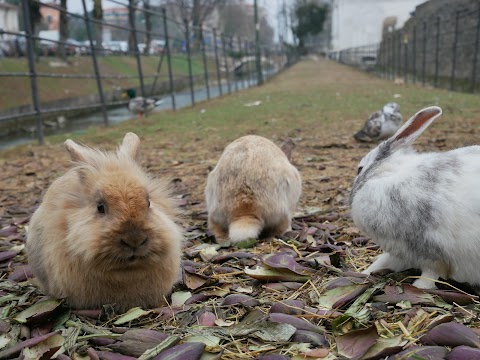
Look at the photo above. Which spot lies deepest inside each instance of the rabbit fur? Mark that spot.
(106, 232)
(422, 209)
(252, 192)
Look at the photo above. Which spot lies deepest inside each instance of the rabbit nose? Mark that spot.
(134, 240)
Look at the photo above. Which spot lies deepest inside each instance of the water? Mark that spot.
(117, 115)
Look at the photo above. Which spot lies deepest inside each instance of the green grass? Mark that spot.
(55, 88)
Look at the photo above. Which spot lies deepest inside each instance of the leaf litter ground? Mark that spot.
(299, 296)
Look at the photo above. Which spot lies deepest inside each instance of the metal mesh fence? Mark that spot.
(439, 51)
(147, 51)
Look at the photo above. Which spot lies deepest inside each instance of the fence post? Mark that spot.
(454, 52)
(169, 59)
(131, 20)
(475, 54)
(233, 60)
(247, 56)
(394, 56)
(437, 51)
(414, 55)
(219, 79)
(189, 60)
(405, 55)
(32, 70)
(242, 56)
(227, 72)
(204, 59)
(424, 55)
(258, 55)
(95, 64)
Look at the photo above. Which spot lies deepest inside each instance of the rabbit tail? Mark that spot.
(245, 221)
(246, 227)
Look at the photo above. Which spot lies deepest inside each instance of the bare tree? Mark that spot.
(63, 30)
(148, 25)
(195, 12)
(98, 15)
(235, 20)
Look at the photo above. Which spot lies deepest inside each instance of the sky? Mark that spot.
(272, 7)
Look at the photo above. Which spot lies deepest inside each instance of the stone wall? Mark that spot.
(430, 44)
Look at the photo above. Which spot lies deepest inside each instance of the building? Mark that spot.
(115, 16)
(50, 16)
(362, 22)
(8, 18)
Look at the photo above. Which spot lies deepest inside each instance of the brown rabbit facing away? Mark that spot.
(252, 192)
(106, 232)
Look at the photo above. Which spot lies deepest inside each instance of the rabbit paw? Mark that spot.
(427, 280)
(386, 261)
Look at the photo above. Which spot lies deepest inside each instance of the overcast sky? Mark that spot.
(272, 7)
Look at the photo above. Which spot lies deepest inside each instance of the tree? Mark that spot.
(308, 19)
(98, 16)
(63, 30)
(195, 12)
(148, 25)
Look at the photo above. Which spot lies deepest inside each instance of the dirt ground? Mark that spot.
(321, 308)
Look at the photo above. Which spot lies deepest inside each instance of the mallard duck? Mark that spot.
(138, 104)
(381, 124)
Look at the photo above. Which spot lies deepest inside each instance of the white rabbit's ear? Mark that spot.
(412, 129)
(130, 145)
(77, 152)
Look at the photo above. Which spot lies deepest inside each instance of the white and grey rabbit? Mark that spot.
(381, 124)
(253, 191)
(422, 209)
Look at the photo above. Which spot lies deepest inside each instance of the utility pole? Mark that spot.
(257, 46)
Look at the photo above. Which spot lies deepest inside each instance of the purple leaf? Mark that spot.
(356, 343)
(464, 352)
(451, 296)
(15, 349)
(291, 307)
(273, 357)
(207, 319)
(197, 298)
(394, 295)
(21, 273)
(4, 327)
(234, 255)
(106, 355)
(99, 341)
(422, 352)
(298, 323)
(282, 286)
(7, 255)
(187, 351)
(8, 230)
(242, 299)
(310, 337)
(285, 261)
(451, 334)
(38, 312)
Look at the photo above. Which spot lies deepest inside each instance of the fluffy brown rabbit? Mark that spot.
(105, 232)
(252, 192)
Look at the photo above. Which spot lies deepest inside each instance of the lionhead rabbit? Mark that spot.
(105, 232)
(252, 192)
(422, 209)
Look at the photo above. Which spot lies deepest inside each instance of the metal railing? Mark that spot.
(440, 52)
(207, 58)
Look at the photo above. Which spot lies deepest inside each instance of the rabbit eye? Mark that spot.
(360, 168)
(148, 201)
(101, 207)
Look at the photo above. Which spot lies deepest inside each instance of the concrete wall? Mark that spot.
(8, 17)
(360, 22)
(434, 20)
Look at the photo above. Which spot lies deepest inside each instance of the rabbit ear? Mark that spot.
(77, 152)
(130, 145)
(412, 129)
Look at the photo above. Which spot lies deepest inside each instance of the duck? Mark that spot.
(381, 124)
(138, 104)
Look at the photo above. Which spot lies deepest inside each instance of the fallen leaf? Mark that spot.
(356, 343)
(131, 315)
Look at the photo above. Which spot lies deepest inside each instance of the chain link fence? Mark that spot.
(159, 56)
(439, 51)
